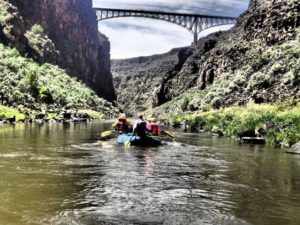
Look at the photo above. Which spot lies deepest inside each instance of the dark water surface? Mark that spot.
(62, 175)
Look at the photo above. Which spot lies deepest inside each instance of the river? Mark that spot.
(61, 174)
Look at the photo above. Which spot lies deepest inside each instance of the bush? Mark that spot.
(258, 80)
(184, 104)
(262, 60)
(285, 121)
(24, 82)
(32, 80)
(5, 15)
(6, 113)
(293, 53)
(45, 95)
(37, 29)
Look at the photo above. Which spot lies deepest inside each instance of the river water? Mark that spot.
(62, 175)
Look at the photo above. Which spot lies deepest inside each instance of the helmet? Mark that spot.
(122, 117)
(150, 117)
(153, 120)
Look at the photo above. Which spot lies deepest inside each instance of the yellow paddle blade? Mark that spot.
(127, 144)
(106, 133)
(168, 133)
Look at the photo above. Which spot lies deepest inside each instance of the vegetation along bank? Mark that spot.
(279, 123)
(46, 72)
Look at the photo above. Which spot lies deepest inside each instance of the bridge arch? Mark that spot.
(192, 22)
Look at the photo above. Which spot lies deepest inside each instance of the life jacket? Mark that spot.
(122, 126)
(141, 128)
(154, 129)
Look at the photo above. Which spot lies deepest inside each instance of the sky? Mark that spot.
(132, 37)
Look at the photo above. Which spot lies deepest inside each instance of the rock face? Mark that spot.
(265, 24)
(139, 81)
(72, 27)
(256, 61)
(145, 82)
(13, 29)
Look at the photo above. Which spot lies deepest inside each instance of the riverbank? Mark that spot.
(278, 124)
(12, 115)
(32, 91)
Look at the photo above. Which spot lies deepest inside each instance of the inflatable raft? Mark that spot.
(138, 141)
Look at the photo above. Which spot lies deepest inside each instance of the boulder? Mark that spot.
(295, 149)
(12, 119)
(217, 131)
(3, 121)
(253, 140)
(247, 133)
(40, 116)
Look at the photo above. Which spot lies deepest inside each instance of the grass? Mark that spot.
(7, 112)
(281, 122)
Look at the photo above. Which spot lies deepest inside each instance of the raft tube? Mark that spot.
(138, 141)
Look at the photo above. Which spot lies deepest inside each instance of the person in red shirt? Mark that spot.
(153, 127)
(122, 125)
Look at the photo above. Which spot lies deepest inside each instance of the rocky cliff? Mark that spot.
(145, 82)
(71, 39)
(138, 80)
(257, 61)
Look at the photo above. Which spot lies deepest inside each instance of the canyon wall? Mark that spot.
(138, 80)
(73, 30)
(256, 61)
(146, 82)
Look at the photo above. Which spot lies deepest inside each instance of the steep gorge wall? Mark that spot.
(257, 60)
(145, 82)
(72, 27)
(139, 80)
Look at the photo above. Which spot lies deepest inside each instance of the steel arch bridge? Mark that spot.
(192, 22)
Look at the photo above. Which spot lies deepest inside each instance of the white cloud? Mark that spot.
(151, 37)
(131, 37)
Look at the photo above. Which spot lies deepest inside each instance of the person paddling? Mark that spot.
(122, 125)
(154, 127)
(140, 127)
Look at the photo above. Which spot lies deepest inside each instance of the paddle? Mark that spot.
(106, 134)
(127, 143)
(168, 133)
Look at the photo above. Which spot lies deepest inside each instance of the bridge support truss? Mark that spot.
(192, 22)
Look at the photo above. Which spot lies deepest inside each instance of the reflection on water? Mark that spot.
(61, 175)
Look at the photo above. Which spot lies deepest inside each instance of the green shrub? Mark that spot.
(45, 95)
(93, 114)
(278, 68)
(293, 53)
(262, 60)
(258, 80)
(285, 121)
(37, 29)
(5, 14)
(6, 112)
(32, 80)
(24, 82)
(184, 104)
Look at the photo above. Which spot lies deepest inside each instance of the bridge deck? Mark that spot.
(195, 23)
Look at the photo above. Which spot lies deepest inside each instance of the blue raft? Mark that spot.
(138, 141)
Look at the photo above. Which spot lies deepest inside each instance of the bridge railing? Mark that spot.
(195, 23)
